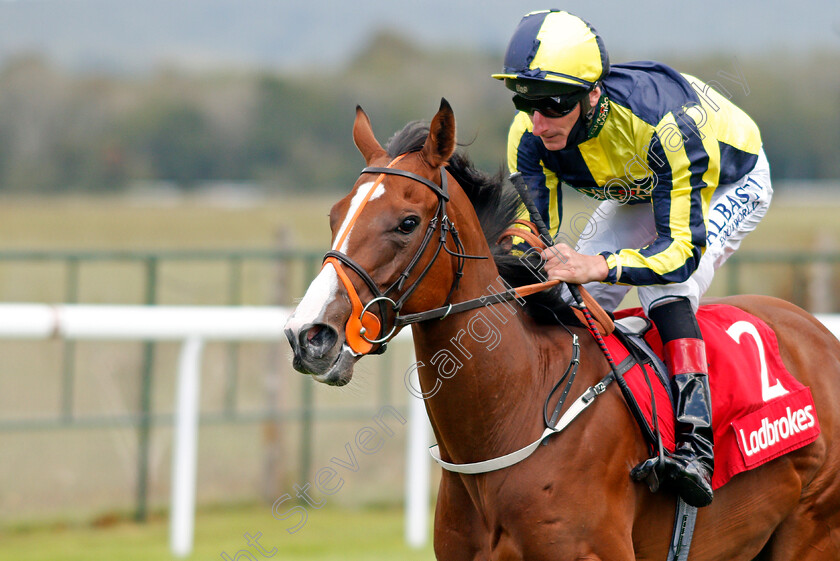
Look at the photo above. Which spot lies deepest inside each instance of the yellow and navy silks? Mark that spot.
(657, 137)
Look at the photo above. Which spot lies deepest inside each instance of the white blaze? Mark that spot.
(324, 288)
(311, 308)
(360, 196)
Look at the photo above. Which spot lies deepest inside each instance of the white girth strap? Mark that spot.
(508, 460)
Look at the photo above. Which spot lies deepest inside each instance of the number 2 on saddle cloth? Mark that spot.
(760, 411)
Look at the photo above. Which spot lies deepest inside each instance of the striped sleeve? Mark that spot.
(687, 163)
(524, 154)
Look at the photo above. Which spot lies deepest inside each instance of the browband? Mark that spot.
(441, 191)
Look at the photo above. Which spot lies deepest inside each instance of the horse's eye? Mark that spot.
(408, 224)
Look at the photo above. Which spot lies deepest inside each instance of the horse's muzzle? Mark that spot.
(314, 348)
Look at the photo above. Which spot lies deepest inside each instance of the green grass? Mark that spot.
(329, 535)
(108, 223)
(112, 222)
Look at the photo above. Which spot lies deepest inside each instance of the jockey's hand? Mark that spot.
(564, 263)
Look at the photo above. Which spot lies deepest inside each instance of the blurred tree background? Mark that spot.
(66, 132)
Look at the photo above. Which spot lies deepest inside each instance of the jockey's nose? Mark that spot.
(539, 122)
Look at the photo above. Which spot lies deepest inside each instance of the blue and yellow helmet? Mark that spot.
(554, 53)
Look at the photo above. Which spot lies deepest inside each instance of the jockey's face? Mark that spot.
(554, 133)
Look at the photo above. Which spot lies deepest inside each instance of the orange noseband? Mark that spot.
(362, 324)
(363, 327)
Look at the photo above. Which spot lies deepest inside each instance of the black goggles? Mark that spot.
(551, 107)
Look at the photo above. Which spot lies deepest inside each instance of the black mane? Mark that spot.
(497, 205)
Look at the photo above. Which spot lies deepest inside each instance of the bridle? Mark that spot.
(364, 329)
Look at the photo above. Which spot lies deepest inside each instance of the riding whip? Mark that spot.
(575, 289)
(524, 194)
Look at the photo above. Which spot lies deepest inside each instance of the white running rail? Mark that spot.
(194, 326)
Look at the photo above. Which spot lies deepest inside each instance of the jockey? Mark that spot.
(682, 176)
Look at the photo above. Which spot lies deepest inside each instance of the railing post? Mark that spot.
(185, 448)
(68, 374)
(144, 425)
(418, 471)
(733, 270)
(799, 281)
(232, 360)
(275, 467)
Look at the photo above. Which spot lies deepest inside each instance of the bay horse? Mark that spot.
(421, 236)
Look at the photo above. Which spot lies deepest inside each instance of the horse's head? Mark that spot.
(386, 257)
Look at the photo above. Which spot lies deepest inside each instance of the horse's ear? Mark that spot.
(364, 139)
(440, 144)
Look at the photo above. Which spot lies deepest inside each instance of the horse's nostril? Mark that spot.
(313, 332)
(320, 338)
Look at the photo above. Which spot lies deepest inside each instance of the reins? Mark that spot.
(364, 329)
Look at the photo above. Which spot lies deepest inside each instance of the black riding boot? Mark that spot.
(690, 468)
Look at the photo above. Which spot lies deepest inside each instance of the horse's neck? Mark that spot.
(485, 373)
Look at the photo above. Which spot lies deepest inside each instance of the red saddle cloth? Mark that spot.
(759, 410)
